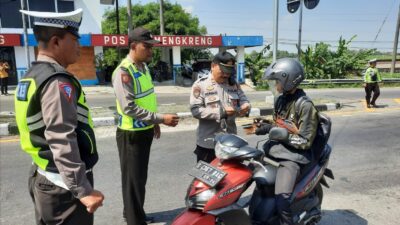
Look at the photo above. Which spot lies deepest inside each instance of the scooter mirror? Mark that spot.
(278, 134)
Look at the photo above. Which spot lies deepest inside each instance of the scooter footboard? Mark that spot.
(194, 217)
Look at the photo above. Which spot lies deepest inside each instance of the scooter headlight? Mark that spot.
(224, 152)
(200, 200)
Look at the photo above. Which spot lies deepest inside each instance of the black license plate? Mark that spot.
(207, 173)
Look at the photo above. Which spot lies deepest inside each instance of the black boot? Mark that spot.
(283, 208)
(368, 99)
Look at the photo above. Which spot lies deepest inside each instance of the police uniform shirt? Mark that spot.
(206, 99)
(123, 88)
(59, 109)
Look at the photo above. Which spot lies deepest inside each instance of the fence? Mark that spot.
(345, 81)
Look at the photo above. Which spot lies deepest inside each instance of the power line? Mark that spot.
(335, 46)
(331, 41)
(383, 22)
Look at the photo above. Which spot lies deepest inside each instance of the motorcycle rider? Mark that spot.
(296, 150)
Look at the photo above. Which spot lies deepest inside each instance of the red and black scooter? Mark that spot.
(213, 195)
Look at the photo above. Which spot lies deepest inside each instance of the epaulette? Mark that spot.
(124, 69)
(203, 78)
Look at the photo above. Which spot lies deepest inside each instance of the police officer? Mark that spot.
(55, 125)
(215, 98)
(138, 122)
(288, 74)
(372, 78)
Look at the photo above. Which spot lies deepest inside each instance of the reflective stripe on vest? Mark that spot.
(144, 97)
(25, 92)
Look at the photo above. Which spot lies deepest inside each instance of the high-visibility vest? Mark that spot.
(144, 97)
(372, 75)
(30, 122)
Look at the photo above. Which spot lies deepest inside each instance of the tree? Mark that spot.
(322, 63)
(256, 62)
(177, 22)
(282, 54)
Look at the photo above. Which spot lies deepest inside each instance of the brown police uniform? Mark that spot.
(133, 145)
(207, 100)
(74, 178)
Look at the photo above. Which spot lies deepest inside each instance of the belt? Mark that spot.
(56, 178)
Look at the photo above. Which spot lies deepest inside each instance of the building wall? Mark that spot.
(91, 19)
(84, 68)
(91, 23)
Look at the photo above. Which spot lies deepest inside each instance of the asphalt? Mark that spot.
(105, 116)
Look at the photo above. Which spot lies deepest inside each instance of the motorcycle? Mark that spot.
(213, 195)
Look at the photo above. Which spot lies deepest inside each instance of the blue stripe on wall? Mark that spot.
(242, 40)
(85, 40)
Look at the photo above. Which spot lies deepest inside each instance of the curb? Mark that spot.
(7, 129)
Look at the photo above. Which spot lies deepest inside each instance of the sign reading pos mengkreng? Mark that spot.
(189, 41)
(173, 40)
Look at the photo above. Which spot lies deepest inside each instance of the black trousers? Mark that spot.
(4, 85)
(134, 153)
(56, 205)
(369, 88)
(204, 154)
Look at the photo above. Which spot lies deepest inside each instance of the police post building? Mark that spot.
(12, 46)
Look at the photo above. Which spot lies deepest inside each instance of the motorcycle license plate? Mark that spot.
(207, 173)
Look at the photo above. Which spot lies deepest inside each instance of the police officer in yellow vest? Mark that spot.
(55, 125)
(372, 78)
(138, 122)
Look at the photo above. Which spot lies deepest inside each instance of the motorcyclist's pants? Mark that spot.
(285, 181)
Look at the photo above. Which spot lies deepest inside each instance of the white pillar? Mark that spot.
(240, 77)
(176, 60)
(20, 60)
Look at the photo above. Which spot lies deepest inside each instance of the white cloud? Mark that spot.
(188, 9)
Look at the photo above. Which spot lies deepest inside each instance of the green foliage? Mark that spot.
(256, 62)
(176, 22)
(322, 63)
(282, 54)
(389, 75)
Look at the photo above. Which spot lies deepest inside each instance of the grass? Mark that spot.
(389, 75)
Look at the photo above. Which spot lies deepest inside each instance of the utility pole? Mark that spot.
(27, 55)
(300, 28)
(164, 50)
(162, 29)
(395, 44)
(275, 30)
(129, 8)
(116, 16)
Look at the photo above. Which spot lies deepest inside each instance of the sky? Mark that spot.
(330, 20)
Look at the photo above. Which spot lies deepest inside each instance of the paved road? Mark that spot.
(365, 161)
(106, 98)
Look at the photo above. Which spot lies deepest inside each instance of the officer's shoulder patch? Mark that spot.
(67, 89)
(126, 78)
(196, 90)
(22, 90)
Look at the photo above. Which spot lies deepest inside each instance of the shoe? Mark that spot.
(368, 106)
(149, 219)
(374, 106)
